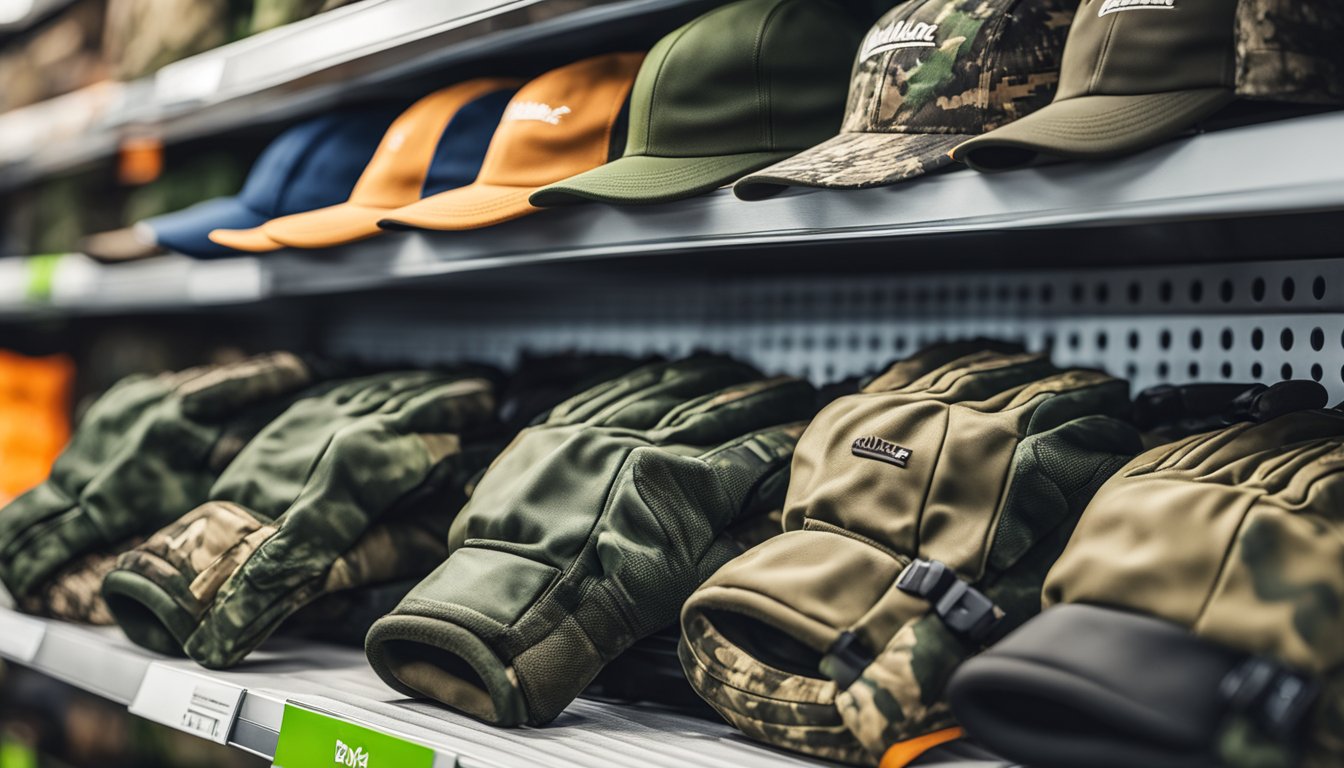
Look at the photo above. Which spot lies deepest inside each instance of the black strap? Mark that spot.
(964, 609)
(1275, 698)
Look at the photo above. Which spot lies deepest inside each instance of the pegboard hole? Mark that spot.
(1286, 339)
(1164, 291)
(1102, 340)
(1164, 339)
(1163, 370)
(1133, 340)
(1135, 293)
(1317, 373)
(1227, 370)
(1257, 370)
(1196, 339)
(1225, 291)
(1258, 289)
(1076, 292)
(1318, 288)
(1257, 339)
(1286, 372)
(1196, 291)
(1227, 338)
(1289, 289)
(1317, 340)
(1131, 370)
(1193, 370)
(1103, 293)
(1074, 341)
(1047, 293)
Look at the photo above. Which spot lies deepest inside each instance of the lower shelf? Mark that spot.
(245, 707)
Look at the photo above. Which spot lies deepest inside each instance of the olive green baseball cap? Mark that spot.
(741, 87)
(930, 75)
(1135, 73)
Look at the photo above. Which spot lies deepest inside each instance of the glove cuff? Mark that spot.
(426, 656)
(1084, 685)
(151, 603)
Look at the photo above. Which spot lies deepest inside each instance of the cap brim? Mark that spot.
(643, 179)
(188, 231)
(854, 161)
(1092, 128)
(120, 245)
(471, 207)
(247, 240)
(326, 227)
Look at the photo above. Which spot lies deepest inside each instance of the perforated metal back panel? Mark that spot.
(1260, 321)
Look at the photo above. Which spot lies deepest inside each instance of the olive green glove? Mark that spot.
(588, 532)
(354, 485)
(145, 454)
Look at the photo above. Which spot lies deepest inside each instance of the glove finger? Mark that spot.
(446, 406)
(930, 358)
(645, 396)
(214, 392)
(732, 411)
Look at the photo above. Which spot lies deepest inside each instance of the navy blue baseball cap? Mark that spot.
(314, 164)
(437, 144)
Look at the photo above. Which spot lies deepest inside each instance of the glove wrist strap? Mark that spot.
(965, 610)
(1276, 699)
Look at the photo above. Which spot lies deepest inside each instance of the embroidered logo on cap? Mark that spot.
(537, 111)
(881, 450)
(1115, 6)
(901, 34)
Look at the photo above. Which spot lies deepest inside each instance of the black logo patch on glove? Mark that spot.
(881, 450)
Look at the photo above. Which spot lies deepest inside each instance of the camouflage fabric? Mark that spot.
(269, 14)
(586, 534)
(827, 639)
(145, 453)
(1288, 50)
(74, 592)
(143, 36)
(928, 76)
(1237, 535)
(353, 485)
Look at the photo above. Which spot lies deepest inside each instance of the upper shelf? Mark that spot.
(300, 68)
(1247, 199)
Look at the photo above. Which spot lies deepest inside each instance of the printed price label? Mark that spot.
(188, 702)
(20, 636)
(311, 739)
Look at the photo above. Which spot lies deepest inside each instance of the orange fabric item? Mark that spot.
(393, 178)
(556, 126)
(249, 240)
(906, 752)
(34, 418)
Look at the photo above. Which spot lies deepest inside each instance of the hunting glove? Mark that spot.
(920, 521)
(588, 532)
(1194, 620)
(147, 452)
(351, 486)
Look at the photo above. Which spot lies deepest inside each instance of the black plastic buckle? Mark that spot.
(963, 609)
(1276, 698)
(846, 659)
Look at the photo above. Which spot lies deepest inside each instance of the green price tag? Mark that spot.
(311, 739)
(41, 276)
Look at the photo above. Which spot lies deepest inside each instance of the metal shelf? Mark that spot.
(373, 48)
(338, 682)
(1241, 202)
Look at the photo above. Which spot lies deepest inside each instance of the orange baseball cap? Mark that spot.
(435, 145)
(558, 125)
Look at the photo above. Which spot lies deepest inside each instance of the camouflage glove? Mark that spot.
(587, 533)
(146, 453)
(351, 486)
(1198, 614)
(899, 561)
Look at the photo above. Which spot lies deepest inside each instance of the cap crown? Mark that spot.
(440, 141)
(561, 123)
(751, 76)
(957, 66)
(1123, 47)
(314, 164)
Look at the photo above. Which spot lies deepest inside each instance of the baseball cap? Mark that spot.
(1135, 73)
(743, 86)
(930, 75)
(560, 124)
(436, 145)
(313, 164)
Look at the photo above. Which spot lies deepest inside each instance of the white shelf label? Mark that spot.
(20, 636)
(188, 701)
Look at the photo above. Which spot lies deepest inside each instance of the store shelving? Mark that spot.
(1222, 176)
(299, 69)
(338, 682)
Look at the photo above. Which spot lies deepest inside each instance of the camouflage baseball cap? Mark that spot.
(1135, 73)
(1197, 614)
(743, 86)
(1288, 50)
(930, 75)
